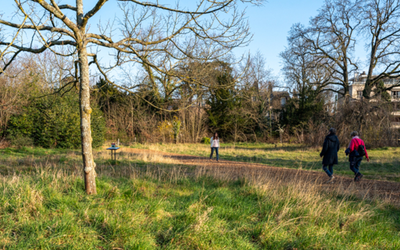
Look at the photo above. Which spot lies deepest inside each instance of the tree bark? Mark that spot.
(86, 134)
(85, 109)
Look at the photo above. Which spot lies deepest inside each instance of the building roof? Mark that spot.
(362, 78)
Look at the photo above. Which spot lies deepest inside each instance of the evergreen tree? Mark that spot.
(222, 101)
(53, 121)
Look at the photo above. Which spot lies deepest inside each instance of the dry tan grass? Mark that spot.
(156, 158)
(163, 166)
(144, 156)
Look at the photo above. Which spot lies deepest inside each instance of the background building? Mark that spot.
(356, 94)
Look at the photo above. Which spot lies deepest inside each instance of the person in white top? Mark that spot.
(214, 145)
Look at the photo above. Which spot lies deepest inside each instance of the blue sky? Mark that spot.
(269, 24)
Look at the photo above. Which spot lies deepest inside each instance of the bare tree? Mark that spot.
(304, 71)
(10, 93)
(257, 91)
(26, 78)
(331, 36)
(149, 31)
(382, 28)
(307, 77)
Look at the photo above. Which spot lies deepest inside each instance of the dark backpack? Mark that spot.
(361, 150)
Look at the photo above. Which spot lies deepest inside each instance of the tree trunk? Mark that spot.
(302, 135)
(86, 134)
(84, 101)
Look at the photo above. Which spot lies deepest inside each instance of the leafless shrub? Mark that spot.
(371, 119)
(316, 134)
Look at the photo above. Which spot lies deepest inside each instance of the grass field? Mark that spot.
(150, 202)
(384, 164)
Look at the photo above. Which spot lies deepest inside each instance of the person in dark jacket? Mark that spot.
(329, 152)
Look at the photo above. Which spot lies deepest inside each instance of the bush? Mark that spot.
(21, 141)
(205, 140)
(54, 122)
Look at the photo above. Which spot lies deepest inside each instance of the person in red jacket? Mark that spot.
(355, 158)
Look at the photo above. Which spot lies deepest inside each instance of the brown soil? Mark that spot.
(369, 189)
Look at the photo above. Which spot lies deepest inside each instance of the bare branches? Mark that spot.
(166, 41)
(218, 6)
(93, 11)
(9, 62)
(39, 27)
(381, 25)
(157, 38)
(2, 53)
(129, 90)
(57, 13)
(331, 37)
(41, 49)
(29, 24)
(306, 72)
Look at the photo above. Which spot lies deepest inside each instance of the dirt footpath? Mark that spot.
(389, 191)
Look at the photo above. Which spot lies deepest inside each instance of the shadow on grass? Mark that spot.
(276, 148)
(34, 151)
(23, 160)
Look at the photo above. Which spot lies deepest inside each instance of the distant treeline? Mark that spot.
(250, 108)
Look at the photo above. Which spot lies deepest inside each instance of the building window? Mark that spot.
(359, 94)
(283, 101)
(395, 94)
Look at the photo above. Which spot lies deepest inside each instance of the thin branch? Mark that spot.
(67, 6)
(43, 48)
(158, 6)
(93, 11)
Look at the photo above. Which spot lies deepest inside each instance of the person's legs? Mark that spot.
(353, 166)
(357, 166)
(216, 151)
(327, 171)
(212, 151)
(358, 163)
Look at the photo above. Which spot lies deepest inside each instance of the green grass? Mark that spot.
(384, 164)
(49, 209)
(147, 205)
